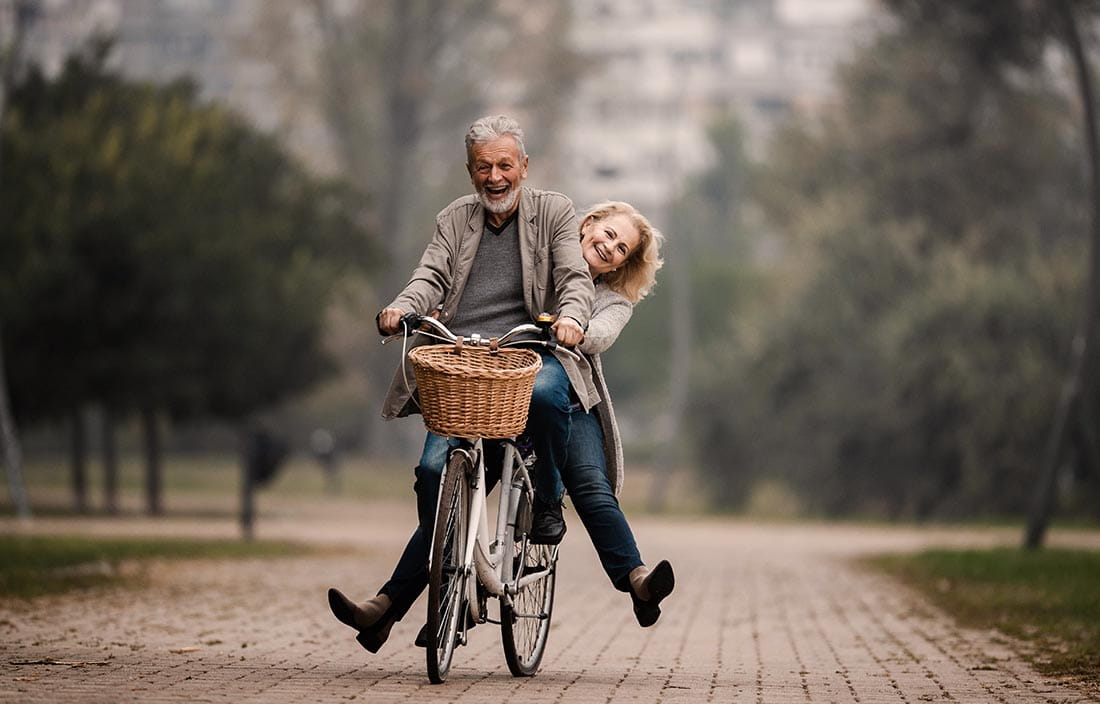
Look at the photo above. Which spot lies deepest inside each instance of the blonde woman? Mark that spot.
(622, 250)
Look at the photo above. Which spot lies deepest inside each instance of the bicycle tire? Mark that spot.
(525, 626)
(446, 578)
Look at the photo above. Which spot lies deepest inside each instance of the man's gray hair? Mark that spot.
(486, 129)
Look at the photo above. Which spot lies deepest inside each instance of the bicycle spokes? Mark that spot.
(525, 625)
(447, 576)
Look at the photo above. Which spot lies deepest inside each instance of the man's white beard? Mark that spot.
(499, 206)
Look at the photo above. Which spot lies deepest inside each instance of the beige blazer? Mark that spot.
(555, 277)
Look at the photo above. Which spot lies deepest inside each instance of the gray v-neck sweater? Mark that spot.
(492, 300)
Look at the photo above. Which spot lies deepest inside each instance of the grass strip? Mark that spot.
(34, 565)
(1049, 599)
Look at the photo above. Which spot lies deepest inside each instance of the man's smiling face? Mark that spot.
(497, 170)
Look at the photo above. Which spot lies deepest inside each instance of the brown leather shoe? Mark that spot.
(648, 588)
(373, 618)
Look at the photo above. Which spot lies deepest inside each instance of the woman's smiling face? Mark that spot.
(608, 243)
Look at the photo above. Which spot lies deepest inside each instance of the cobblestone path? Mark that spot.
(760, 614)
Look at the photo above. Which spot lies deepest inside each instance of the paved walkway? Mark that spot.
(760, 614)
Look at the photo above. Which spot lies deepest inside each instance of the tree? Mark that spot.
(1076, 415)
(174, 259)
(898, 351)
(1012, 35)
(11, 453)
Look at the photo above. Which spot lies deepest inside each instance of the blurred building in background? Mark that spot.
(658, 72)
(653, 75)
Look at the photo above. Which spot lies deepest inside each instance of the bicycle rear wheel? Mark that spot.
(446, 577)
(525, 626)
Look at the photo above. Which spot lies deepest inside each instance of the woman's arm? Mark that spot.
(611, 315)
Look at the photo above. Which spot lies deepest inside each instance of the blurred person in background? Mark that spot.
(323, 446)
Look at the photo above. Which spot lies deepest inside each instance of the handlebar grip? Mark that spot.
(411, 320)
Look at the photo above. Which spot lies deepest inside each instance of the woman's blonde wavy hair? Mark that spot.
(635, 278)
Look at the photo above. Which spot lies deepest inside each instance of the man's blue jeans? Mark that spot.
(548, 426)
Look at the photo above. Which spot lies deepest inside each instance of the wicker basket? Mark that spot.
(474, 393)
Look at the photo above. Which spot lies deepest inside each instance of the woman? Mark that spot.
(622, 252)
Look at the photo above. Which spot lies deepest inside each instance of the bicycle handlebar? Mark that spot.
(411, 322)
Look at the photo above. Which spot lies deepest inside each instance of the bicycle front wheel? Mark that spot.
(447, 577)
(525, 625)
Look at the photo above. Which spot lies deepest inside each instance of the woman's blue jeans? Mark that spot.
(586, 481)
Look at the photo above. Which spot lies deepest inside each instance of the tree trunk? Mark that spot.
(1085, 341)
(79, 460)
(110, 462)
(1086, 430)
(12, 452)
(1052, 460)
(151, 437)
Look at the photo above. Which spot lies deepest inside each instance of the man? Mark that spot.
(498, 258)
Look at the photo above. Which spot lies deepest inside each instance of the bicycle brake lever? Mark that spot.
(553, 345)
(409, 322)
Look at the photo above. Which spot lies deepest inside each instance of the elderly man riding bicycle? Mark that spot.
(498, 258)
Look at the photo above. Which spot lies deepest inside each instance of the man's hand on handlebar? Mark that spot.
(389, 321)
(568, 331)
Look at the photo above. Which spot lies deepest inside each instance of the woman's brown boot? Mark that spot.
(648, 588)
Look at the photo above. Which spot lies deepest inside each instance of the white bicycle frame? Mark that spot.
(491, 562)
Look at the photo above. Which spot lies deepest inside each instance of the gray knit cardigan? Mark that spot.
(610, 315)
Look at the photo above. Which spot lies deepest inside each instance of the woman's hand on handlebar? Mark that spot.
(568, 331)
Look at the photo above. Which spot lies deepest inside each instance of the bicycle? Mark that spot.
(520, 574)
